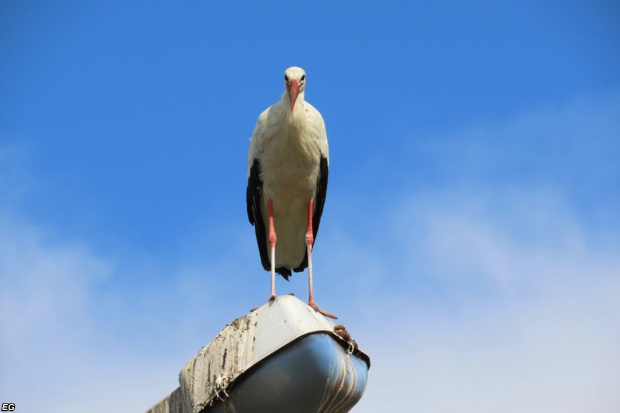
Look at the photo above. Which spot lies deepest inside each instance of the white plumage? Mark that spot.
(288, 163)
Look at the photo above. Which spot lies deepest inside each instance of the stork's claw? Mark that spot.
(271, 298)
(325, 313)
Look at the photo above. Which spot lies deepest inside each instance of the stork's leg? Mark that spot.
(272, 245)
(309, 244)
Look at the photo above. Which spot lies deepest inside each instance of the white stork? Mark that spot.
(287, 181)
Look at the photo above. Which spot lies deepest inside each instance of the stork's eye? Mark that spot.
(303, 77)
(285, 78)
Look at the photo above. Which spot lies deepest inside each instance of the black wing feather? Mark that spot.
(253, 199)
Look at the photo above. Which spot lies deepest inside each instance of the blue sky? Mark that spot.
(470, 240)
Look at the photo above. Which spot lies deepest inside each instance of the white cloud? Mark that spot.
(42, 282)
(74, 338)
(521, 322)
(43, 309)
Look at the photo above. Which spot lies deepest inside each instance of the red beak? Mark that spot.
(293, 91)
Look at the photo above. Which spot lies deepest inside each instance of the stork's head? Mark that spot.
(295, 83)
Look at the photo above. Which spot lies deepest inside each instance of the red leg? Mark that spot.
(309, 245)
(272, 245)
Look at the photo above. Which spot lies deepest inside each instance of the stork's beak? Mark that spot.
(293, 91)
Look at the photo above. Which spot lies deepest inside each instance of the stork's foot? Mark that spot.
(325, 313)
(271, 298)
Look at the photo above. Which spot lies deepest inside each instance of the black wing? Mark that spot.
(321, 193)
(253, 199)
